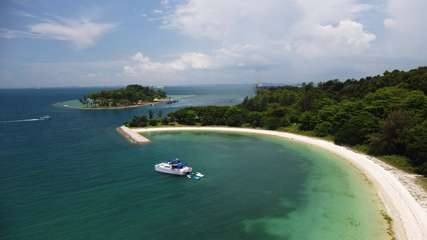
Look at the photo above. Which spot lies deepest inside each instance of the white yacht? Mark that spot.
(176, 167)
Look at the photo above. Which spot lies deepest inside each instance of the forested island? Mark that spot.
(132, 95)
(384, 115)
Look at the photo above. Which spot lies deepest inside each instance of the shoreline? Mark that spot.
(408, 215)
(108, 108)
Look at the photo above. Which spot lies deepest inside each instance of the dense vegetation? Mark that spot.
(130, 95)
(387, 114)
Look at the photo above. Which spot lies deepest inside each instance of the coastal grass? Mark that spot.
(398, 161)
(294, 129)
(402, 163)
(361, 148)
(422, 181)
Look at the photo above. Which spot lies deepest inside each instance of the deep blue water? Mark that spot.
(41, 159)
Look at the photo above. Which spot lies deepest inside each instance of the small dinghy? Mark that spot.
(195, 176)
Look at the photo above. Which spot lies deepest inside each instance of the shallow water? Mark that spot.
(74, 177)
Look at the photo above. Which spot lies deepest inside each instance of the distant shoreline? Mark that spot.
(408, 215)
(120, 107)
(61, 104)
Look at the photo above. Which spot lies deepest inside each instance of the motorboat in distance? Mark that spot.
(176, 167)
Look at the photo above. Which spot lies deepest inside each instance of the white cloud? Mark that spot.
(292, 27)
(226, 21)
(10, 34)
(81, 33)
(193, 60)
(238, 56)
(344, 39)
(405, 24)
(323, 12)
(187, 61)
(256, 36)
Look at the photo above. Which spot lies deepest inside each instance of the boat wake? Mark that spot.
(42, 118)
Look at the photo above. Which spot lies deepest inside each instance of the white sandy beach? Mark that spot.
(407, 210)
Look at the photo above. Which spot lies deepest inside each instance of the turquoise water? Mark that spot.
(74, 177)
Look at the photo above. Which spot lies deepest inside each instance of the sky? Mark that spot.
(178, 42)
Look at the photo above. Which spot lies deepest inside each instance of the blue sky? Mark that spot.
(172, 42)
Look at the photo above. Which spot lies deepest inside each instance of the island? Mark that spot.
(130, 96)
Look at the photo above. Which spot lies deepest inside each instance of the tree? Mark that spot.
(159, 114)
(416, 143)
(150, 114)
(308, 121)
(357, 129)
(391, 138)
(140, 121)
(211, 115)
(254, 119)
(165, 121)
(153, 122)
(271, 123)
(322, 129)
(234, 116)
(276, 110)
(186, 116)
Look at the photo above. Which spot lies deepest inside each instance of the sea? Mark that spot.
(74, 177)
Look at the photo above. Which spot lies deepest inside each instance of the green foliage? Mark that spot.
(391, 137)
(138, 121)
(153, 122)
(159, 114)
(356, 130)
(165, 121)
(322, 129)
(254, 119)
(235, 116)
(187, 116)
(416, 139)
(398, 161)
(209, 115)
(308, 121)
(271, 123)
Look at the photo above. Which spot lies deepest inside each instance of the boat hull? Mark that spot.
(182, 171)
